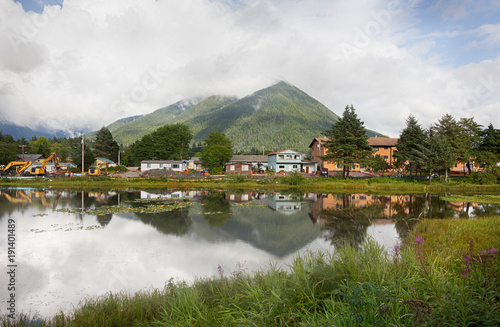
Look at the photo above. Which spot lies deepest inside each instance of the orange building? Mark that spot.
(382, 146)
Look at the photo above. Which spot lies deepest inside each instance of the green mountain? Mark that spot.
(277, 117)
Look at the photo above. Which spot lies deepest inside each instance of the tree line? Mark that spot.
(435, 149)
(169, 142)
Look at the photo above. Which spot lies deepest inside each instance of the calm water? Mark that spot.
(71, 245)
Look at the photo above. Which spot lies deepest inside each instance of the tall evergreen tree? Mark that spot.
(471, 136)
(105, 146)
(412, 136)
(488, 151)
(435, 153)
(348, 142)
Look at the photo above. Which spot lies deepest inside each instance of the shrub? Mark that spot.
(294, 179)
(483, 178)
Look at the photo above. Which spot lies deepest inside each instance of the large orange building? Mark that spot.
(383, 146)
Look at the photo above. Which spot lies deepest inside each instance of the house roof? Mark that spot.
(163, 161)
(382, 141)
(290, 150)
(31, 157)
(320, 140)
(248, 158)
(373, 141)
(104, 159)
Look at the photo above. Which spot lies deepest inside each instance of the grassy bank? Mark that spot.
(275, 183)
(446, 273)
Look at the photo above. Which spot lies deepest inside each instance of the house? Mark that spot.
(174, 165)
(194, 164)
(288, 161)
(101, 160)
(382, 146)
(238, 168)
(245, 164)
(35, 158)
(66, 165)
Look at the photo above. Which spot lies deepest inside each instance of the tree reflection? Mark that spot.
(175, 222)
(216, 210)
(348, 222)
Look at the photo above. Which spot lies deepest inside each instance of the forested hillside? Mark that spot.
(277, 117)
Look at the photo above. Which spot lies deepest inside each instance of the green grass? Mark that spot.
(424, 284)
(473, 198)
(270, 182)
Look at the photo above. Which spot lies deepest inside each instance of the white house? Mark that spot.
(174, 165)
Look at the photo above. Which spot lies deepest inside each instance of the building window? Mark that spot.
(148, 165)
(386, 148)
(297, 157)
(281, 166)
(289, 156)
(231, 167)
(175, 166)
(244, 167)
(295, 166)
(281, 156)
(386, 157)
(339, 166)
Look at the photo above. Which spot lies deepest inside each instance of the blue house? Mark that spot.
(285, 160)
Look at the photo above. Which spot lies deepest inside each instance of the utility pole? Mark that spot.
(22, 147)
(83, 156)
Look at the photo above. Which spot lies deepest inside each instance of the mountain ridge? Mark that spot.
(276, 117)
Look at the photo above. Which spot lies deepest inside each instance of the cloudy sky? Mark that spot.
(82, 64)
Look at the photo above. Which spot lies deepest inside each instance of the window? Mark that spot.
(295, 166)
(231, 168)
(386, 148)
(281, 166)
(297, 157)
(289, 156)
(175, 166)
(244, 168)
(386, 157)
(281, 156)
(339, 166)
(148, 165)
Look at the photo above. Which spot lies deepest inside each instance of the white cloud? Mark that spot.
(92, 61)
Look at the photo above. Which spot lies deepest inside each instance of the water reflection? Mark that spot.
(65, 253)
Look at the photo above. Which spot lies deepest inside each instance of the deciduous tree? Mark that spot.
(217, 150)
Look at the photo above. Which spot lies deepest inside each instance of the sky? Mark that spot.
(83, 64)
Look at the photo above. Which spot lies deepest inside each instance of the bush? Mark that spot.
(115, 169)
(236, 178)
(294, 179)
(483, 178)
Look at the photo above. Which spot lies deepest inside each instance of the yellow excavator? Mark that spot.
(93, 171)
(21, 166)
(40, 170)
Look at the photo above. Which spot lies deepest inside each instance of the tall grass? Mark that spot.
(349, 287)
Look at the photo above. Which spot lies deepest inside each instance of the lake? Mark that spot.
(71, 245)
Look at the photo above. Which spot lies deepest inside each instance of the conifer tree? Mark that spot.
(105, 146)
(412, 136)
(348, 142)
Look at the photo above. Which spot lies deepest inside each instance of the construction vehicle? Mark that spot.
(40, 170)
(21, 197)
(21, 166)
(93, 171)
